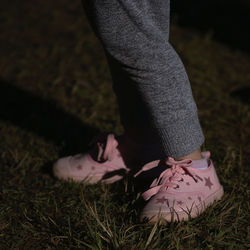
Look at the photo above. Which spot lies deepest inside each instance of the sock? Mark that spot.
(200, 164)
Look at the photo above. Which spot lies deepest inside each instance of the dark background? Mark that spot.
(228, 21)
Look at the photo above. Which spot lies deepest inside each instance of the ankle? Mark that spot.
(196, 155)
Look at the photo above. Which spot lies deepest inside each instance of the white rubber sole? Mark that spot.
(94, 179)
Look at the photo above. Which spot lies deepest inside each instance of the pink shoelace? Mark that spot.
(106, 151)
(169, 177)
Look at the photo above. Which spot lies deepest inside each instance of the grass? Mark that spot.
(55, 94)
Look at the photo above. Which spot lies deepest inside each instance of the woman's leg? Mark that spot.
(149, 79)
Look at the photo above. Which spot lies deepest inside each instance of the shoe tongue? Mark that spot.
(200, 164)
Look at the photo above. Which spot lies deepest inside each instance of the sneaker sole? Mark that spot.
(87, 180)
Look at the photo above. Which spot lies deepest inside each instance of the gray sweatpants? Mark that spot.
(149, 79)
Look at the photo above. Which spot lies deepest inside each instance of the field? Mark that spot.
(56, 93)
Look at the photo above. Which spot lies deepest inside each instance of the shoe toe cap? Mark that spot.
(167, 208)
(60, 168)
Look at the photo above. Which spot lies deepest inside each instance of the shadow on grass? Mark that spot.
(44, 118)
(227, 20)
(242, 94)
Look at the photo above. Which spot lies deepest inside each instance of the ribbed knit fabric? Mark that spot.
(149, 79)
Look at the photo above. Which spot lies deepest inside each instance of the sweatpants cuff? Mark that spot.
(181, 137)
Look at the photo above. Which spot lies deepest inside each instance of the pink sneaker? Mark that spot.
(108, 166)
(181, 191)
